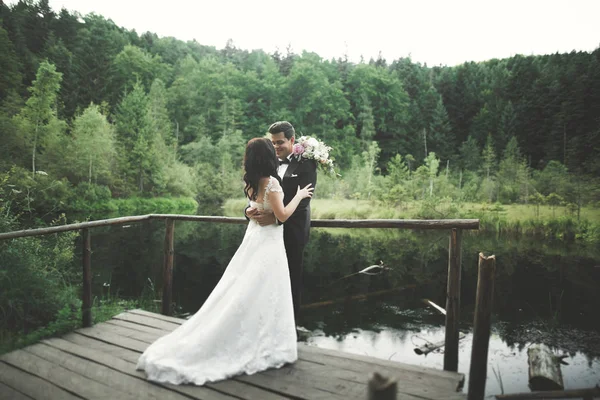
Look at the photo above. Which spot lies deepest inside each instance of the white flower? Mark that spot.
(314, 149)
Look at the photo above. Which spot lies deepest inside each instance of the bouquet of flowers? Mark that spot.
(313, 149)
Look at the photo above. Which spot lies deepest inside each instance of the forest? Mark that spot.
(97, 120)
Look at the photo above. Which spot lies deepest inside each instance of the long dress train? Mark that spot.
(245, 326)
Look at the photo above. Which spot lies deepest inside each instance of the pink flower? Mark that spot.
(298, 149)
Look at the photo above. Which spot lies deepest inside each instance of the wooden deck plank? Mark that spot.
(379, 361)
(417, 378)
(62, 377)
(409, 388)
(147, 321)
(156, 316)
(103, 353)
(229, 387)
(110, 349)
(124, 382)
(137, 327)
(97, 333)
(129, 333)
(31, 385)
(288, 387)
(6, 392)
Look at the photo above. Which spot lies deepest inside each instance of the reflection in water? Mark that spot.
(544, 291)
(506, 364)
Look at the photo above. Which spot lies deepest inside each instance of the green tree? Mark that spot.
(441, 140)
(40, 109)
(135, 136)
(10, 78)
(512, 175)
(432, 163)
(470, 158)
(488, 157)
(92, 148)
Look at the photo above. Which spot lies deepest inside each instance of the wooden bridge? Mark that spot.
(99, 363)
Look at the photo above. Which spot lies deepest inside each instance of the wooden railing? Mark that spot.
(455, 226)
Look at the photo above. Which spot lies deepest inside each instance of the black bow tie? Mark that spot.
(284, 161)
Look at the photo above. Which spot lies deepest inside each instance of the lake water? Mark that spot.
(545, 291)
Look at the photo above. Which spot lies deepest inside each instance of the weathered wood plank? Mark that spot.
(62, 377)
(108, 337)
(138, 319)
(287, 386)
(31, 385)
(153, 316)
(107, 348)
(229, 387)
(308, 378)
(591, 393)
(126, 383)
(169, 251)
(86, 304)
(442, 384)
(315, 223)
(6, 392)
(128, 333)
(103, 356)
(482, 324)
(136, 327)
(73, 227)
(453, 302)
(454, 376)
(412, 387)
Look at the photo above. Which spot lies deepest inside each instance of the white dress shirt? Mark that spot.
(283, 167)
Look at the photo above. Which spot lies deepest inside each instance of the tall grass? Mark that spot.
(515, 219)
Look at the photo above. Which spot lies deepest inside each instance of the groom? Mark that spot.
(294, 172)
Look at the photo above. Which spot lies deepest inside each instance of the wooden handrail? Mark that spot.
(439, 224)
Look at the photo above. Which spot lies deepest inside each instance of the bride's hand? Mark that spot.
(305, 192)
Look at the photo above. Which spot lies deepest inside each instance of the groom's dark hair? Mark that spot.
(282, 126)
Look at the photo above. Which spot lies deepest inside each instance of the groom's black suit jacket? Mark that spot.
(296, 229)
(300, 172)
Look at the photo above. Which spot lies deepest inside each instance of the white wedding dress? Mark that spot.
(247, 323)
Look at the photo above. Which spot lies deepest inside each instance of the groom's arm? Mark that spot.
(263, 218)
(308, 175)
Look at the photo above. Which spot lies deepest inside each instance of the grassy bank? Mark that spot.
(544, 221)
(364, 209)
(137, 206)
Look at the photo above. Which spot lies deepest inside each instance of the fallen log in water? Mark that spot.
(429, 347)
(544, 368)
(356, 297)
(585, 394)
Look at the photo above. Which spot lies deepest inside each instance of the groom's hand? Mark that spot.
(264, 218)
(251, 212)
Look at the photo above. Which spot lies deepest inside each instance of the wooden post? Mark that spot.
(381, 388)
(169, 250)
(86, 307)
(481, 327)
(453, 302)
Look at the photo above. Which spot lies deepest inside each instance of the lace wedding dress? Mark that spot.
(247, 323)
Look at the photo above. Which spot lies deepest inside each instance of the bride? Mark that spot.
(247, 323)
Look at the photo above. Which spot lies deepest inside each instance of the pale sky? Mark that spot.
(446, 32)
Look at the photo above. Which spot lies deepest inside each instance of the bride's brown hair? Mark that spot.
(260, 161)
